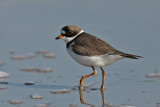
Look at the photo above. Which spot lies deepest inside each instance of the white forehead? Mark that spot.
(63, 32)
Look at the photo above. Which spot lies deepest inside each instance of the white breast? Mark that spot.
(96, 61)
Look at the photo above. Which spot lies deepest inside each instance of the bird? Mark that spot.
(90, 51)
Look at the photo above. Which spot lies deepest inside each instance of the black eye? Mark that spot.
(70, 32)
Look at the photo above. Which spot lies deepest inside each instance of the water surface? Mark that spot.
(30, 26)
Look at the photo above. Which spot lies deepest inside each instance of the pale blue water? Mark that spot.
(130, 26)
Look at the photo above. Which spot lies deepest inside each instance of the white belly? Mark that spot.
(96, 61)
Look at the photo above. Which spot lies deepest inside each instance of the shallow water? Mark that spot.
(31, 26)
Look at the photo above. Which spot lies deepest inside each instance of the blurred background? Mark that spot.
(27, 35)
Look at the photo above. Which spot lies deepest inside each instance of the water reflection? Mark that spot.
(88, 104)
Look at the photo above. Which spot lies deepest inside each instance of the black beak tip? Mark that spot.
(56, 38)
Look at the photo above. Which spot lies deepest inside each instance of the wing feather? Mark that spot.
(89, 45)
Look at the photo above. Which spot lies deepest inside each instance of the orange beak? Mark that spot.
(59, 37)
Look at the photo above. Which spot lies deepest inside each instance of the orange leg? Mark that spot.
(103, 100)
(103, 78)
(83, 77)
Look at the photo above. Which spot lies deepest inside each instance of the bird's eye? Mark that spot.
(70, 32)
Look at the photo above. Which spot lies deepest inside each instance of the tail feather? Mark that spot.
(131, 56)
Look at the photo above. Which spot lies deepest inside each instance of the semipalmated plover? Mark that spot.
(90, 51)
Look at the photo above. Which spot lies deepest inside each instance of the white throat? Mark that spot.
(68, 39)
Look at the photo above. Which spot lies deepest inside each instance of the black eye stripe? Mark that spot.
(70, 32)
(67, 32)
